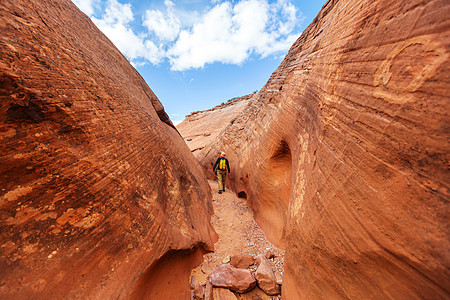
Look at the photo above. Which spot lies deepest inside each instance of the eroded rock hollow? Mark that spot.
(96, 183)
(343, 155)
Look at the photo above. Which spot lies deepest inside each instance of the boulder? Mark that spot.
(265, 276)
(223, 294)
(255, 294)
(242, 261)
(238, 280)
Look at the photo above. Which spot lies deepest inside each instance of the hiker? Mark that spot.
(222, 167)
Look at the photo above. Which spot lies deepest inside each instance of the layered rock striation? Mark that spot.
(98, 190)
(201, 128)
(343, 155)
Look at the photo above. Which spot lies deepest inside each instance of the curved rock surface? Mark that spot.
(201, 128)
(343, 155)
(96, 183)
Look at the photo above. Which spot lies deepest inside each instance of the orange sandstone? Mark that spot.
(96, 183)
(343, 154)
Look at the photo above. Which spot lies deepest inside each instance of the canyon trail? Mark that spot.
(238, 234)
(342, 157)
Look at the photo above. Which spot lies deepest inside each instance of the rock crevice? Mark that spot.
(361, 100)
(95, 186)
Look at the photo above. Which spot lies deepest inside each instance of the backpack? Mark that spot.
(222, 164)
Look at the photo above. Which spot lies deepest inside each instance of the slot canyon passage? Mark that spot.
(342, 158)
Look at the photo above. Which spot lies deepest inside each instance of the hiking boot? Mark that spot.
(220, 191)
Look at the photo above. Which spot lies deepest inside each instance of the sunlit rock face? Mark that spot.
(201, 128)
(343, 155)
(95, 182)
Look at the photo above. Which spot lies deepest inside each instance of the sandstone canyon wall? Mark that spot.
(96, 183)
(201, 128)
(344, 153)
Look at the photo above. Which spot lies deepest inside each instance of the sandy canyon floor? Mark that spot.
(238, 234)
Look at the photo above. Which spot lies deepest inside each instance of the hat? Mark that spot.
(223, 154)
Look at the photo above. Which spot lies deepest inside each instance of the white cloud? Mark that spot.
(86, 6)
(114, 23)
(226, 32)
(230, 34)
(165, 26)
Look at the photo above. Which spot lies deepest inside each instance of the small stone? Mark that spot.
(209, 291)
(226, 259)
(203, 270)
(192, 285)
(258, 259)
(270, 254)
(198, 292)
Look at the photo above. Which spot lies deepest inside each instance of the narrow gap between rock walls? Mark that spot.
(244, 264)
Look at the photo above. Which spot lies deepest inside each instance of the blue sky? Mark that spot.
(195, 54)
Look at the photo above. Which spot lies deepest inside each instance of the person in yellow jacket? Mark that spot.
(222, 167)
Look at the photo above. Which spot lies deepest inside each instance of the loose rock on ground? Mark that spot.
(241, 240)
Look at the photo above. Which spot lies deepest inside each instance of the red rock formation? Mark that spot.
(96, 184)
(265, 276)
(201, 128)
(198, 292)
(256, 294)
(238, 280)
(223, 294)
(242, 261)
(343, 155)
